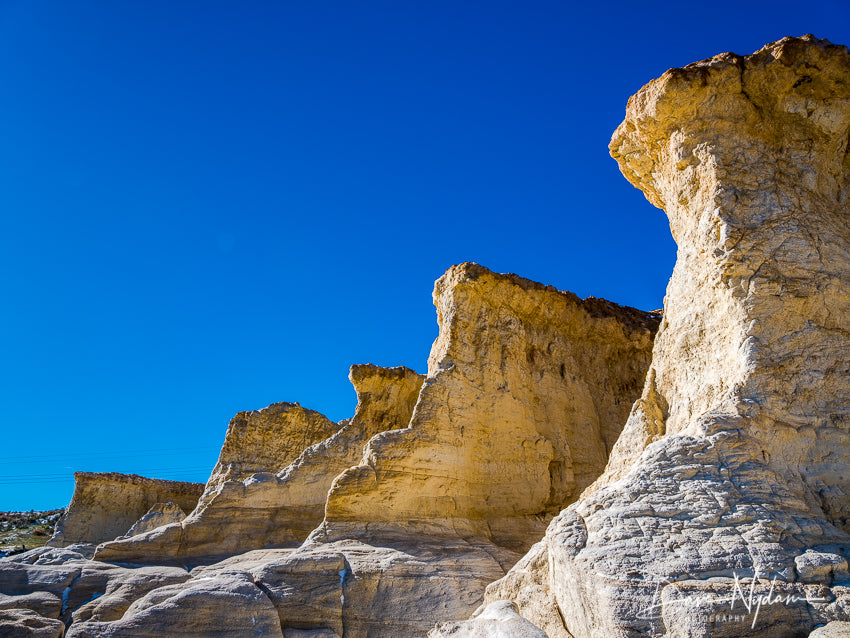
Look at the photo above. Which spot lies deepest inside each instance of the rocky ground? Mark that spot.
(20, 531)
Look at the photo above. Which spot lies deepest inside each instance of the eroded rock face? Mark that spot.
(527, 387)
(735, 462)
(227, 605)
(23, 623)
(525, 391)
(520, 404)
(271, 483)
(266, 440)
(158, 515)
(499, 619)
(106, 505)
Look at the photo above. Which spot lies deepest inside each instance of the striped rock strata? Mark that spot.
(105, 505)
(274, 472)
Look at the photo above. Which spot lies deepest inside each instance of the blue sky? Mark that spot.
(208, 207)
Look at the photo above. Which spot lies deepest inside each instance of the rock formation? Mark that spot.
(157, 516)
(106, 505)
(525, 388)
(722, 511)
(734, 464)
(271, 482)
(526, 392)
(15, 623)
(412, 506)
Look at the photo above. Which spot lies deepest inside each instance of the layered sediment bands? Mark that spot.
(266, 440)
(527, 387)
(262, 493)
(157, 516)
(736, 459)
(525, 391)
(106, 505)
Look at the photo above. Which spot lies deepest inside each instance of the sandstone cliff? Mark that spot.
(526, 392)
(106, 505)
(735, 462)
(271, 482)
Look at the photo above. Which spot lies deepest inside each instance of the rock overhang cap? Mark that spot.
(753, 95)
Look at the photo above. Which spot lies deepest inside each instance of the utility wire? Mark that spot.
(102, 454)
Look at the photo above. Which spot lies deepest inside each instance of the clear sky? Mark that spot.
(211, 206)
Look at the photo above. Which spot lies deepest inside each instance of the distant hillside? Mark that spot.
(20, 531)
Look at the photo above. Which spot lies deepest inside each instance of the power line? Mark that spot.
(69, 476)
(103, 454)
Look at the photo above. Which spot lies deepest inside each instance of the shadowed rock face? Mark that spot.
(276, 466)
(736, 459)
(106, 505)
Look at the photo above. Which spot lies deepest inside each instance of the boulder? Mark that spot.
(58, 583)
(19, 578)
(105, 505)
(732, 473)
(398, 587)
(103, 591)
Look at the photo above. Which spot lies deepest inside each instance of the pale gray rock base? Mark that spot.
(224, 606)
(24, 623)
(41, 602)
(835, 629)
(499, 619)
(158, 515)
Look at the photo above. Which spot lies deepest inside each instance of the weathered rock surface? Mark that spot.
(41, 602)
(276, 499)
(528, 585)
(55, 583)
(399, 587)
(157, 516)
(500, 619)
(224, 606)
(526, 392)
(735, 462)
(835, 629)
(511, 422)
(106, 505)
(23, 623)
(266, 440)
